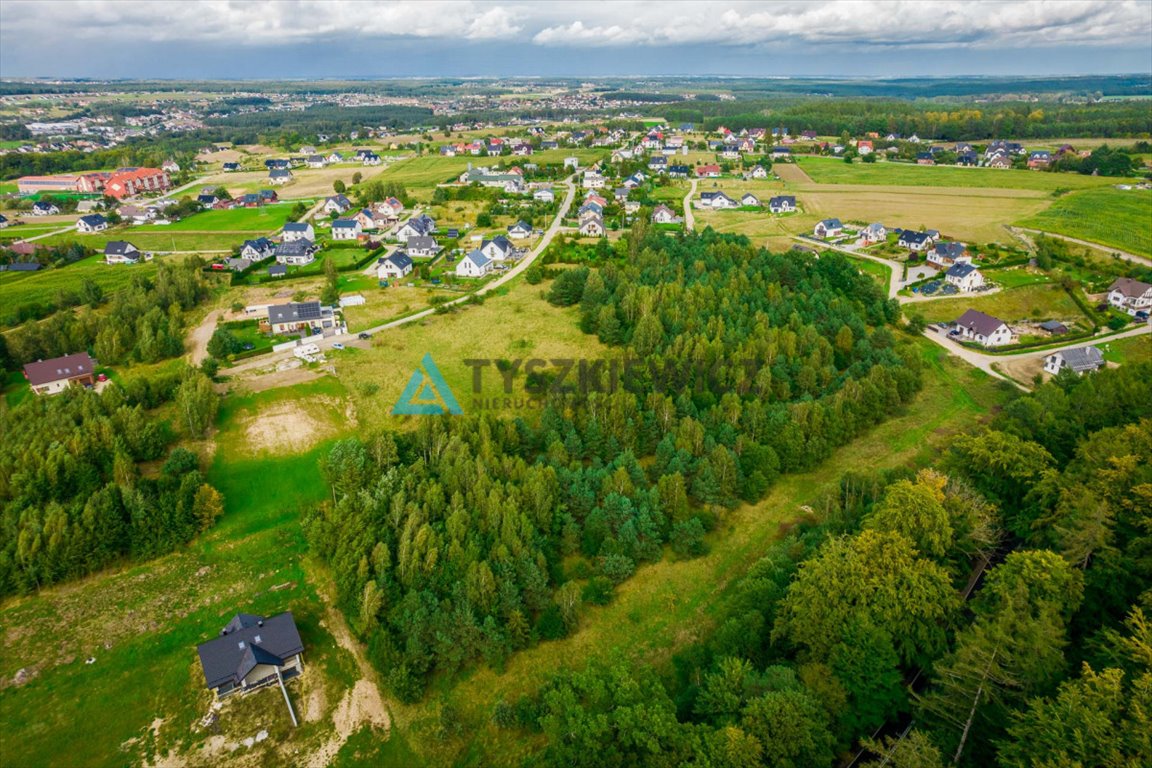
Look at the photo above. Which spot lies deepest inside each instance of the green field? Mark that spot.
(1029, 302)
(150, 238)
(420, 175)
(263, 220)
(1134, 349)
(1109, 216)
(832, 171)
(17, 288)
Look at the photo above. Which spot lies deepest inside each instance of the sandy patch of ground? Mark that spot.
(285, 428)
(201, 335)
(791, 172)
(280, 378)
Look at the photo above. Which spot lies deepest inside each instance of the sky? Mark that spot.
(241, 39)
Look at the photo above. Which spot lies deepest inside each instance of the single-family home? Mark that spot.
(338, 204)
(779, 153)
(1080, 360)
(279, 177)
(316, 161)
(999, 160)
(297, 230)
(44, 208)
(967, 158)
(475, 264)
(758, 172)
(392, 205)
(914, 241)
(925, 158)
(662, 214)
(874, 233)
(371, 158)
(679, 171)
(1130, 295)
(593, 226)
(93, 222)
(305, 317)
(252, 652)
(984, 329)
(369, 220)
(346, 229)
(711, 171)
(231, 167)
(3, 221)
(50, 377)
(750, 200)
(716, 200)
(296, 252)
(658, 163)
(965, 277)
(422, 246)
(498, 248)
(121, 252)
(828, 228)
(593, 180)
(257, 250)
(782, 204)
(334, 157)
(394, 267)
(1040, 158)
(415, 227)
(520, 230)
(946, 254)
(545, 195)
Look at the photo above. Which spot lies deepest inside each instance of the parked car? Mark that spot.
(364, 336)
(337, 345)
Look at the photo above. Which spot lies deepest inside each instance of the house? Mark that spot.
(207, 201)
(716, 200)
(44, 208)
(474, 264)
(257, 250)
(779, 153)
(267, 196)
(782, 204)
(864, 147)
(3, 221)
(415, 227)
(520, 230)
(170, 166)
(572, 162)
(296, 252)
(231, 167)
(593, 180)
(590, 208)
(346, 229)
(658, 163)
(965, 277)
(592, 227)
(498, 248)
(273, 164)
(236, 265)
(983, 329)
(50, 377)
(758, 172)
(1041, 158)
(252, 652)
(306, 317)
(1080, 361)
(999, 161)
(337, 204)
(392, 205)
(545, 195)
(828, 228)
(874, 233)
(121, 252)
(914, 241)
(93, 222)
(662, 214)
(316, 161)
(708, 171)
(1130, 295)
(279, 177)
(394, 267)
(334, 157)
(967, 158)
(297, 230)
(367, 220)
(925, 158)
(371, 158)
(129, 182)
(750, 200)
(946, 254)
(307, 149)
(422, 246)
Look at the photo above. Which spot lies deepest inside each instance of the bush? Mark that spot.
(599, 591)
(1118, 322)
(550, 625)
(617, 568)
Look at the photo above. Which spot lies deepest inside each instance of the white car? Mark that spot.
(337, 345)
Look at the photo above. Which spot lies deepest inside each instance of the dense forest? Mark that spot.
(447, 543)
(992, 610)
(73, 495)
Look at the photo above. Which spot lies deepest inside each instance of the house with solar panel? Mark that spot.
(252, 652)
(305, 317)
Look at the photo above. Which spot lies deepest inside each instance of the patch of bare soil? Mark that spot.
(791, 172)
(285, 378)
(1022, 369)
(284, 428)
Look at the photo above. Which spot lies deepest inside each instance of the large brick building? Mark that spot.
(129, 182)
(85, 182)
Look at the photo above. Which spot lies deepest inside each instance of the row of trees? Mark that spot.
(73, 498)
(1047, 663)
(448, 543)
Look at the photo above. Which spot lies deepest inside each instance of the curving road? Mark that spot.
(689, 219)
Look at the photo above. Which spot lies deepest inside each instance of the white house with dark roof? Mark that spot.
(782, 204)
(45, 208)
(394, 267)
(498, 248)
(545, 195)
(91, 223)
(915, 241)
(474, 264)
(662, 214)
(716, 201)
(593, 226)
(252, 652)
(874, 233)
(828, 228)
(296, 252)
(422, 247)
(346, 229)
(983, 329)
(280, 176)
(1130, 295)
(946, 254)
(965, 277)
(750, 200)
(520, 230)
(416, 227)
(121, 252)
(338, 204)
(50, 377)
(1080, 360)
(297, 230)
(258, 249)
(300, 317)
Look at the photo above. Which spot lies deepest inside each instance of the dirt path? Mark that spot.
(200, 336)
(363, 705)
(689, 219)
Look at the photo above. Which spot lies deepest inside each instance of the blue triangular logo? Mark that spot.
(427, 394)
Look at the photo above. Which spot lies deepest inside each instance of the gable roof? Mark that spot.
(910, 236)
(345, 224)
(832, 224)
(979, 323)
(960, 270)
(120, 248)
(57, 368)
(297, 226)
(1129, 288)
(477, 258)
(295, 248)
(952, 250)
(521, 225)
(260, 244)
(246, 641)
(400, 260)
(94, 220)
(294, 313)
(1082, 358)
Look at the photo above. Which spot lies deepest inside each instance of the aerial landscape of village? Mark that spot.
(716, 384)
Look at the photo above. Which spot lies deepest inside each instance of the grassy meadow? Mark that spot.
(1112, 217)
(828, 170)
(1029, 302)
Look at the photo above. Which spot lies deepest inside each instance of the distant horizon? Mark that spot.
(665, 76)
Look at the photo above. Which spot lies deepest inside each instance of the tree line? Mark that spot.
(448, 544)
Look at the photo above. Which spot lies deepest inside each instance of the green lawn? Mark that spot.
(1134, 349)
(17, 288)
(1109, 216)
(832, 171)
(1015, 277)
(1028, 302)
(261, 220)
(152, 238)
